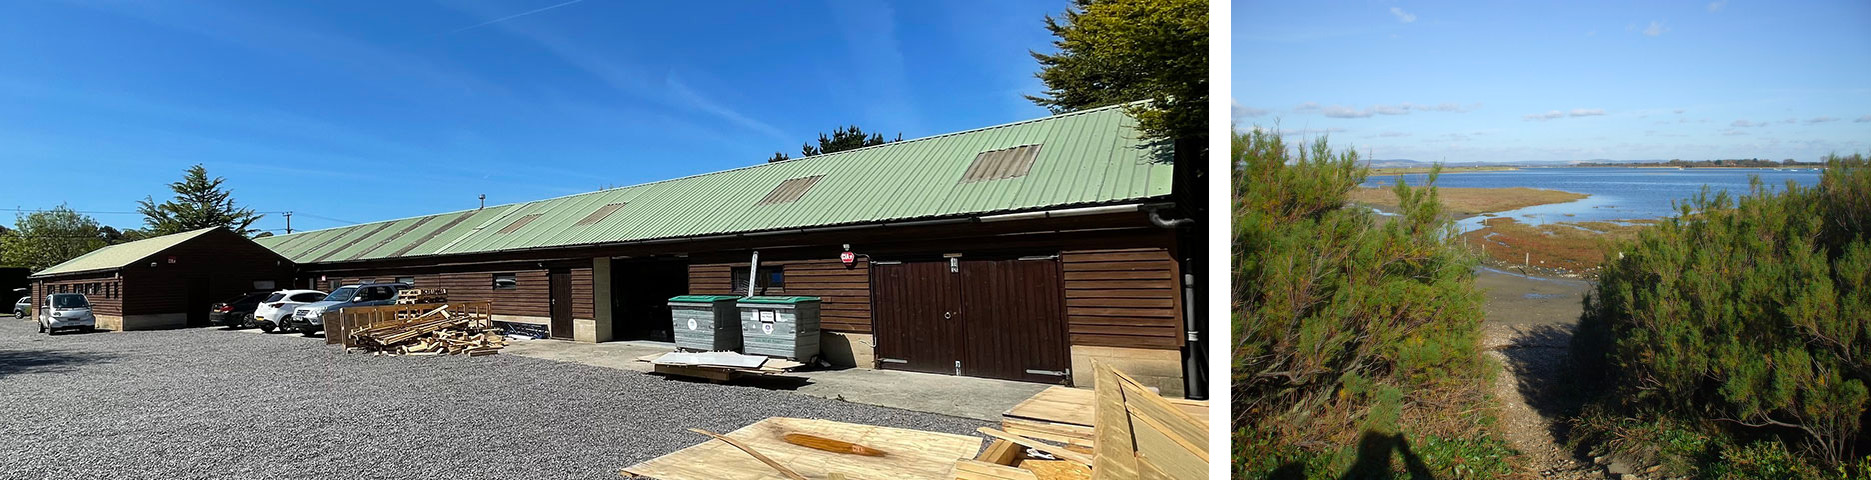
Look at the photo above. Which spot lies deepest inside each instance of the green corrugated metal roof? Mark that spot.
(1091, 157)
(122, 254)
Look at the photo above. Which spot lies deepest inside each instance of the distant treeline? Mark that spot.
(1737, 162)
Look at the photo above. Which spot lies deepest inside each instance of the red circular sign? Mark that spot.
(847, 257)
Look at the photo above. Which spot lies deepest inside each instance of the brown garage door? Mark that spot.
(914, 314)
(999, 318)
(1013, 314)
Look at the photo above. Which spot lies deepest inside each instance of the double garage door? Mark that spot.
(999, 318)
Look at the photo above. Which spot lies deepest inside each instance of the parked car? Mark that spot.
(278, 307)
(22, 307)
(235, 312)
(309, 318)
(66, 310)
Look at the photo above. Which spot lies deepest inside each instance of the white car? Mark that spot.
(273, 311)
(66, 310)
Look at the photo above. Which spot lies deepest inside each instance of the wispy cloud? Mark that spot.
(1402, 16)
(1814, 120)
(1656, 29)
(1241, 111)
(1733, 132)
(1747, 124)
(1717, 5)
(1555, 114)
(703, 103)
(513, 16)
(1678, 111)
(1393, 134)
(1288, 133)
(1863, 119)
(1344, 111)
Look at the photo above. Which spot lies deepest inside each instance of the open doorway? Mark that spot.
(640, 291)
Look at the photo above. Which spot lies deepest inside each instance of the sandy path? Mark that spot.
(1528, 329)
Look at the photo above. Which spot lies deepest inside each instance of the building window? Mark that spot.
(411, 281)
(770, 277)
(506, 281)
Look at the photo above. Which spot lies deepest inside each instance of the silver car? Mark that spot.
(66, 310)
(22, 307)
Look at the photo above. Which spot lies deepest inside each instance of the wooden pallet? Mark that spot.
(721, 374)
(414, 296)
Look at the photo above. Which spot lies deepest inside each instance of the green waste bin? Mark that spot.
(786, 327)
(708, 323)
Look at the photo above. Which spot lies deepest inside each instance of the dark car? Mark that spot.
(235, 312)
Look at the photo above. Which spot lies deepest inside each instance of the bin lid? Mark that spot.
(780, 300)
(703, 298)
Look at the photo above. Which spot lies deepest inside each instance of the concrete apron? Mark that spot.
(966, 397)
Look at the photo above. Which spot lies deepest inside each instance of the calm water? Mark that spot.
(1616, 193)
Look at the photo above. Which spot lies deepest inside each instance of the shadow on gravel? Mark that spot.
(14, 362)
(1541, 358)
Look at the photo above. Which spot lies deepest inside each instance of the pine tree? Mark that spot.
(841, 139)
(199, 203)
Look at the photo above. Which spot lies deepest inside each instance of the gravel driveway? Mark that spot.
(207, 403)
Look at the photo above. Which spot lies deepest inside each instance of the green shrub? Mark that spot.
(1347, 330)
(1747, 312)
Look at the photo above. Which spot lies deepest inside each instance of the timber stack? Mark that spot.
(437, 332)
(414, 296)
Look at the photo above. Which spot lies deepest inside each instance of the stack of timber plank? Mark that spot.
(1065, 415)
(437, 332)
(422, 295)
(1135, 434)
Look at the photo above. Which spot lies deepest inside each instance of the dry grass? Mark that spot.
(1569, 247)
(1463, 202)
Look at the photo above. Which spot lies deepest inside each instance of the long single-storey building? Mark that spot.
(166, 281)
(1022, 251)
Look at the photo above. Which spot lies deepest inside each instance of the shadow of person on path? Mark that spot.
(1374, 458)
(1375, 450)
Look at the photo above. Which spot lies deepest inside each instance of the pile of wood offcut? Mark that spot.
(437, 332)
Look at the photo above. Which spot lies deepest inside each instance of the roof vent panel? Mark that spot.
(599, 215)
(790, 191)
(521, 222)
(1001, 164)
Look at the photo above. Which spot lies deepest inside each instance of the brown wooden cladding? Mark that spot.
(844, 292)
(1122, 298)
(223, 261)
(106, 299)
(531, 297)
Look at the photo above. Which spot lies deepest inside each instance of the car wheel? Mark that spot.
(41, 326)
(265, 326)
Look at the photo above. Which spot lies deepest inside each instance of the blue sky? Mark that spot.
(364, 110)
(1534, 81)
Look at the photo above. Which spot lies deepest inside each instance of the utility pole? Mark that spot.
(288, 222)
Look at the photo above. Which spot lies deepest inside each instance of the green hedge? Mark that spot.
(1342, 319)
(1748, 315)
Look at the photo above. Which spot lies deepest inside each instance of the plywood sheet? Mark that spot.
(912, 454)
(1141, 435)
(1074, 406)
